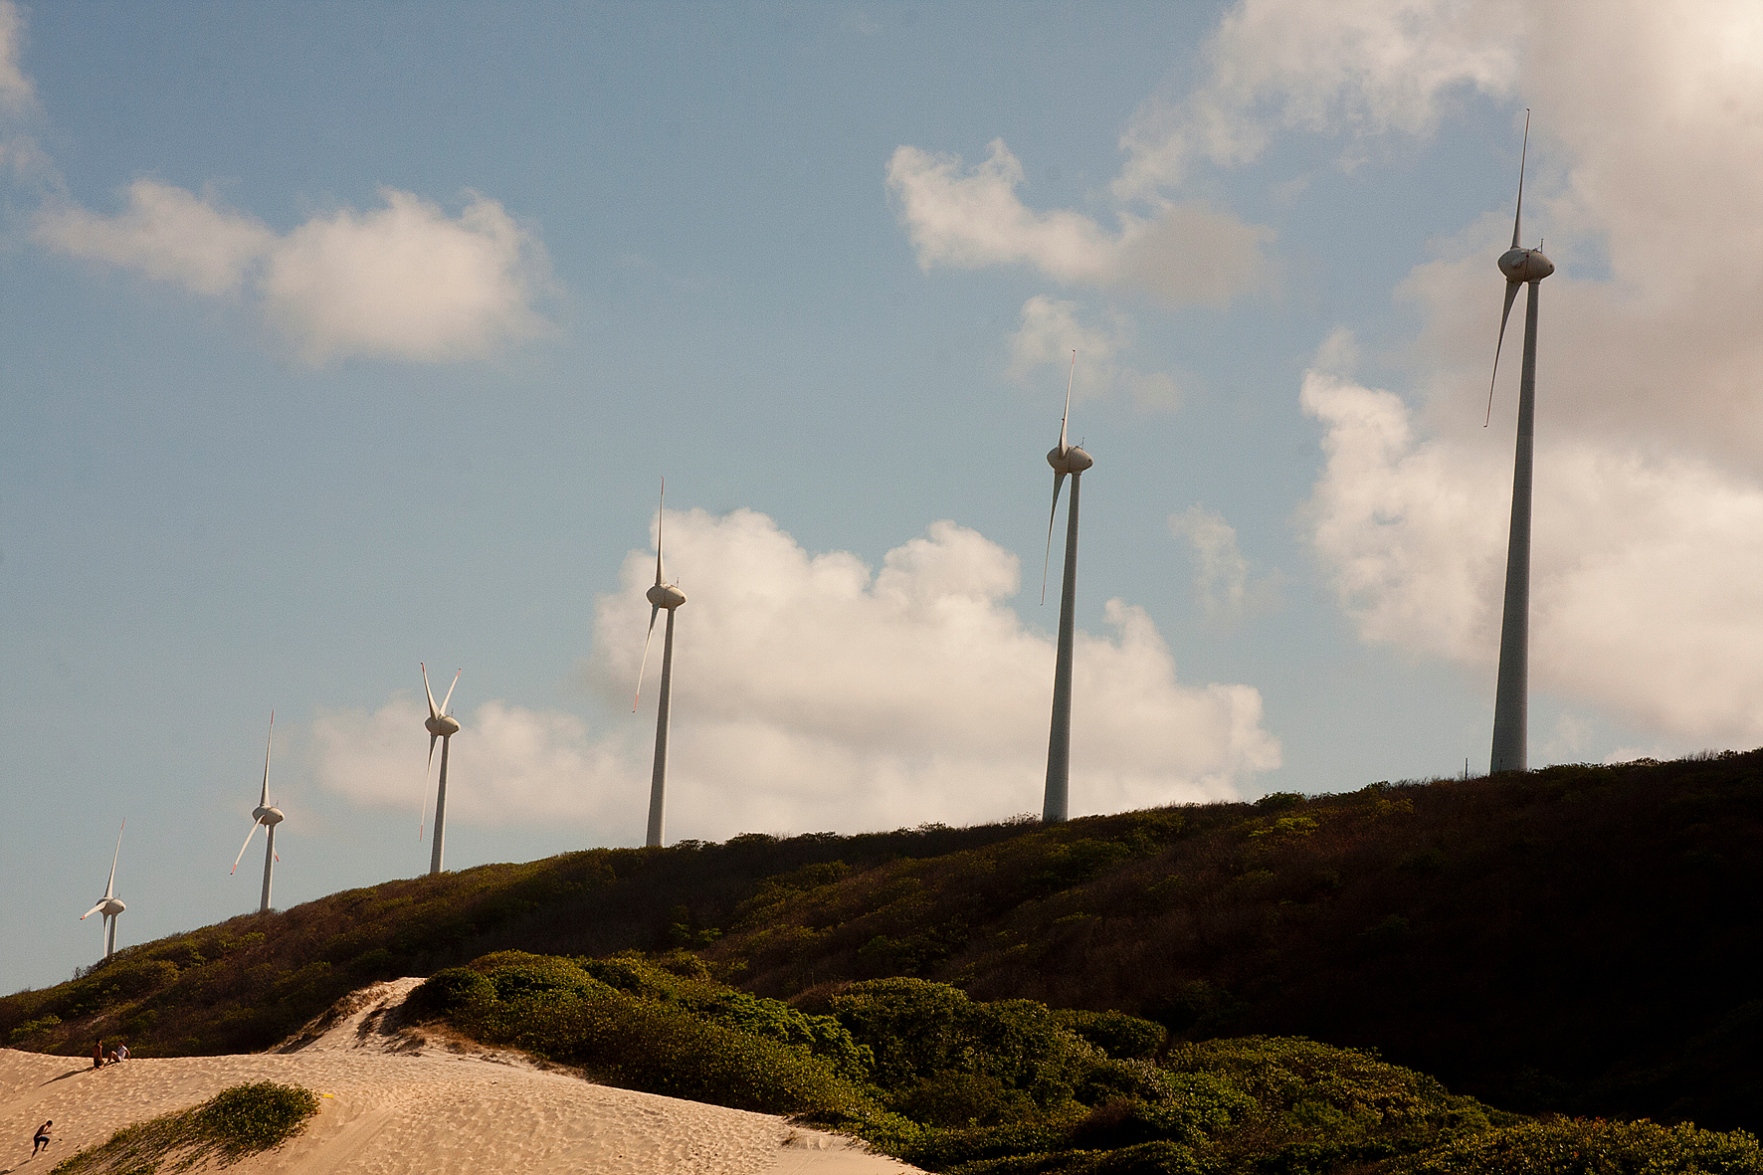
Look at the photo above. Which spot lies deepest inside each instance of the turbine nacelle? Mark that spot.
(269, 817)
(1068, 459)
(666, 595)
(1522, 265)
(109, 907)
(441, 725)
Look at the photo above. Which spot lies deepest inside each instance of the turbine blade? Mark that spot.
(264, 802)
(660, 517)
(1066, 415)
(1518, 216)
(243, 847)
(1047, 560)
(110, 886)
(433, 713)
(654, 611)
(92, 911)
(1511, 293)
(450, 690)
(422, 805)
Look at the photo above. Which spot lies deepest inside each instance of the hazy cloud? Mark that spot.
(1050, 329)
(17, 93)
(1360, 66)
(1185, 254)
(814, 692)
(1221, 573)
(405, 281)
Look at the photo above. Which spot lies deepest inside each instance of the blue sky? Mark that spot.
(250, 462)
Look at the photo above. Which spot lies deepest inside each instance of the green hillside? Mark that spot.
(1579, 939)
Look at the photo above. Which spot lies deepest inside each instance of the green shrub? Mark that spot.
(1580, 1146)
(1127, 1038)
(234, 1124)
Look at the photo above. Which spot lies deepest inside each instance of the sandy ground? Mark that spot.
(395, 1102)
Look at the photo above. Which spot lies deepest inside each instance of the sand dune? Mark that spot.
(394, 1101)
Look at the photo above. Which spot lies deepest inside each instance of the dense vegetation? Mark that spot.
(1012, 1086)
(1573, 939)
(233, 1124)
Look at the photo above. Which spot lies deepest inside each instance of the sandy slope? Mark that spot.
(398, 1102)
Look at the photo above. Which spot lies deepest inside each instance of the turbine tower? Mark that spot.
(267, 816)
(440, 725)
(1066, 459)
(661, 595)
(1526, 267)
(110, 905)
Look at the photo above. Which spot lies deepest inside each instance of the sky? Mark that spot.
(335, 339)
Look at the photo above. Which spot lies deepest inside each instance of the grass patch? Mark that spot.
(234, 1124)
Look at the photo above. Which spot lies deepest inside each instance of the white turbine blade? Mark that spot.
(92, 911)
(654, 611)
(422, 806)
(1518, 216)
(1047, 559)
(1511, 293)
(660, 517)
(450, 690)
(433, 713)
(268, 743)
(1066, 415)
(110, 886)
(254, 826)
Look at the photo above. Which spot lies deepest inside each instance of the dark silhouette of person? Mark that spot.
(98, 1055)
(42, 1137)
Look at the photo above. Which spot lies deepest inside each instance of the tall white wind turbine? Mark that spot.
(440, 725)
(1526, 267)
(265, 815)
(1066, 460)
(110, 905)
(669, 596)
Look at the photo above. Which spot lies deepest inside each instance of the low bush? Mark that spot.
(1579, 1146)
(234, 1124)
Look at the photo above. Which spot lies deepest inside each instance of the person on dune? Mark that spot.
(41, 1138)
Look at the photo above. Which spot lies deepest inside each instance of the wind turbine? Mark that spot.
(1066, 459)
(266, 816)
(110, 905)
(662, 595)
(440, 725)
(1526, 267)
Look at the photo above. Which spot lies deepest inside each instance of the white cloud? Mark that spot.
(404, 281)
(1185, 254)
(814, 693)
(1366, 66)
(167, 233)
(1221, 573)
(1649, 495)
(1050, 329)
(1647, 568)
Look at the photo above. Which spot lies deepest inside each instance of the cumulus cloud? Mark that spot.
(814, 692)
(1647, 141)
(405, 281)
(1182, 253)
(1645, 585)
(1050, 329)
(1221, 573)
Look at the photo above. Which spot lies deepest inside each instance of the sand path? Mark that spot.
(397, 1103)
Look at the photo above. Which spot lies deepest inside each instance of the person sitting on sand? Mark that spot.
(122, 1052)
(42, 1137)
